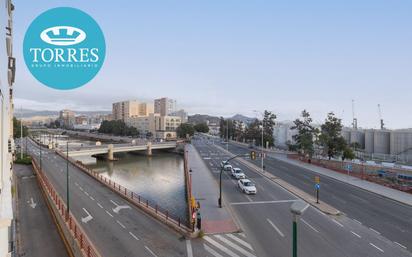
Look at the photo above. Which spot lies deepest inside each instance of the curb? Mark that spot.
(323, 207)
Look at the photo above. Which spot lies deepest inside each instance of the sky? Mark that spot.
(235, 56)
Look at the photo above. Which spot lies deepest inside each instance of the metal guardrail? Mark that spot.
(149, 207)
(76, 231)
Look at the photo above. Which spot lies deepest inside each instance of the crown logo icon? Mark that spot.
(63, 35)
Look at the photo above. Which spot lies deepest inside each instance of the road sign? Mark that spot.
(317, 186)
(317, 179)
(349, 167)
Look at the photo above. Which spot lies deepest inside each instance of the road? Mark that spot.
(266, 219)
(34, 218)
(117, 228)
(390, 218)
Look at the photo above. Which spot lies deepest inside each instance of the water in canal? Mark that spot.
(159, 178)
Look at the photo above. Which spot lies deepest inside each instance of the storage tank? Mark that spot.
(401, 140)
(369, 140)
(381, 142)
(358, 136)
(346, 134)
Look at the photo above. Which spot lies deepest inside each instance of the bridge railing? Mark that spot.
(138, 200)
(72, 225)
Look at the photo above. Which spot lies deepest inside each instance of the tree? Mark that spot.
(348, 154)
(201, 127)
(185, 129)
(17, 128)
(268, 124)
(330, 137)
(227, 128)
(306, 133)
(118, 128)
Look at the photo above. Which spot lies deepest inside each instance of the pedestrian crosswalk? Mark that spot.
(228, 245)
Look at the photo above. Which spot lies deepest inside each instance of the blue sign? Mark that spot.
(349, 167)
(64, 48)
(317, 186)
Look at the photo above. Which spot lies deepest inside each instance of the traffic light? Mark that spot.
(253, 155)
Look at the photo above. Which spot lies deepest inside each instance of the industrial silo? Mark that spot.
(381, 142)
(358, 136)
(369, 140)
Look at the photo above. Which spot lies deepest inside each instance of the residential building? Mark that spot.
(182, 114)
(283, 134)
(164, 106)
(145, 109)
(163, 127)
(67, 118)
(125, 109)
(7, 74)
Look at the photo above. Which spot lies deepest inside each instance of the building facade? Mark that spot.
(126, 109)
(182, 114)
(7, 74)
(67, 118)
(163, 127)
(165, 106)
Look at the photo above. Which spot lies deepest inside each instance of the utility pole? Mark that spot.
(40, 149)
(261, 153)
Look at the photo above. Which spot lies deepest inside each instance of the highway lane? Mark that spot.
(266, 220)
(128, 232)
(390, 218)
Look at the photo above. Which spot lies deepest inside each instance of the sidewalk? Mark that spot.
(206, 191)
(387, 192)
(37, 235)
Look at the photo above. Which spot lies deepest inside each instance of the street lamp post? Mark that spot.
(40, 148)
(297, 209)
(261, 152)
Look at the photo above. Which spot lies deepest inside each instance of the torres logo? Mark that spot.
(64, 48)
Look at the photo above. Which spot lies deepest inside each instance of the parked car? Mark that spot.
(237, 173)
(247, 186)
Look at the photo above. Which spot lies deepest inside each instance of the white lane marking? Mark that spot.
(86, 193)
(377, 232)
(109, 214)
(234, 246)
(276, 228)
(88, 217)
(248, 197)
(81, 188)
(314, 229)
(91, 198)
(357, 221)
(376, 247)
(100, 205)
(240, 241)
(211, 251)
(337, 223)
(189, 248)
(32, 203)
(113, 202)
(356, 234)
(76, 184)
(220, 247)
(404, 247)
(134, 236)
(150, 251)
(264, 202)
(118, 222)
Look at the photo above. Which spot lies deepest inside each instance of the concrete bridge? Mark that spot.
(119, 148)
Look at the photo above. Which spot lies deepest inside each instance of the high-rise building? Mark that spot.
(145, 109)
(67, 118)
(125, 109)
(7, 67)
(164, 106)
(182, 114)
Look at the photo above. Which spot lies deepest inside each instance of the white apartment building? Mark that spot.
(163, 127)
(7, 73)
